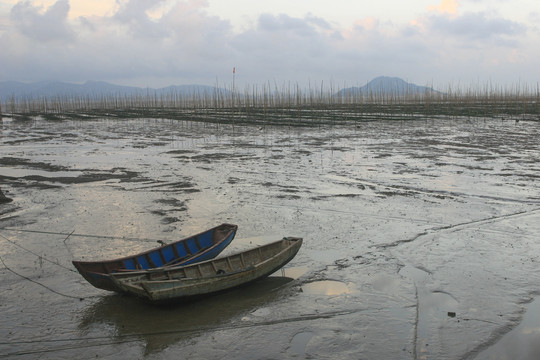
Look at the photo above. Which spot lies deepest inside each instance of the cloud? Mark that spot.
(133, 14)
(42, 25)
(478, 27)
(163, 42)
(281, 46)
(125, 45)
(306, 26)
(534, 18)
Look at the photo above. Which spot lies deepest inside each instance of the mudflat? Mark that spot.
(420, 237)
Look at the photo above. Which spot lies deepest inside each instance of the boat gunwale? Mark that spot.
(138, 275)
(234, 229)
(97, 273)
(244, 269)
(140, 289)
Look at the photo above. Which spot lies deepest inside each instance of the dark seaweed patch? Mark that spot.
(208, 158)
(180, 152)
(169, 220)
(288, 197)
(12, 161)
(171, 202)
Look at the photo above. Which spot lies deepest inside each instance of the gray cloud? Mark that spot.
(306, 26)
(186, 45)
(478, 27)
(51, 25)
(133, 15)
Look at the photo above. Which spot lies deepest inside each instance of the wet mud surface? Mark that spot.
(421, 238)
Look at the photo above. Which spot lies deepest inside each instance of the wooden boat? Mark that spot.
(203, 246)
(192, 281)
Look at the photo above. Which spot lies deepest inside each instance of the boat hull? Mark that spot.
(199, 247)
(210, 277)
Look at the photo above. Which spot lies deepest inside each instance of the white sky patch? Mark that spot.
(446, 6)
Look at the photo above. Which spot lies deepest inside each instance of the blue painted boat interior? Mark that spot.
(156, 258)
(181, 250)
(192, 245)
(142, 261)
(203, 240)
(206, 239)
(168, 254)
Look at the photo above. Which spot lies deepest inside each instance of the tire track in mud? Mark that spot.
(455, 227)
(416, 322)
(340, 211)
(418, 275)
(421, 295)
(429, 192)
(344, 262)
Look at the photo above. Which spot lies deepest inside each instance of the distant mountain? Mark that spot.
(387, 85)
(51, 89)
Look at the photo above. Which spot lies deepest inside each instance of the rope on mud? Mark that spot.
(36, 282)
(36, 254)
(128, 338)
(41, 258)
(65, 244)
(83, 235)
(73, 347)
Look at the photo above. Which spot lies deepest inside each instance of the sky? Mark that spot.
(338, 43)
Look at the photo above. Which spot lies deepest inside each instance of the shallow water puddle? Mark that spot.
(300, 341)
(292, 272)
(326, 287)
(433, 306)
(522, 343)
(414, 273)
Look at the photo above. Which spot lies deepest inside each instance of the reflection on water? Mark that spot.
(292, 272)
(160, 327)
(326, 287)
(300, 341)
(522, 343)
